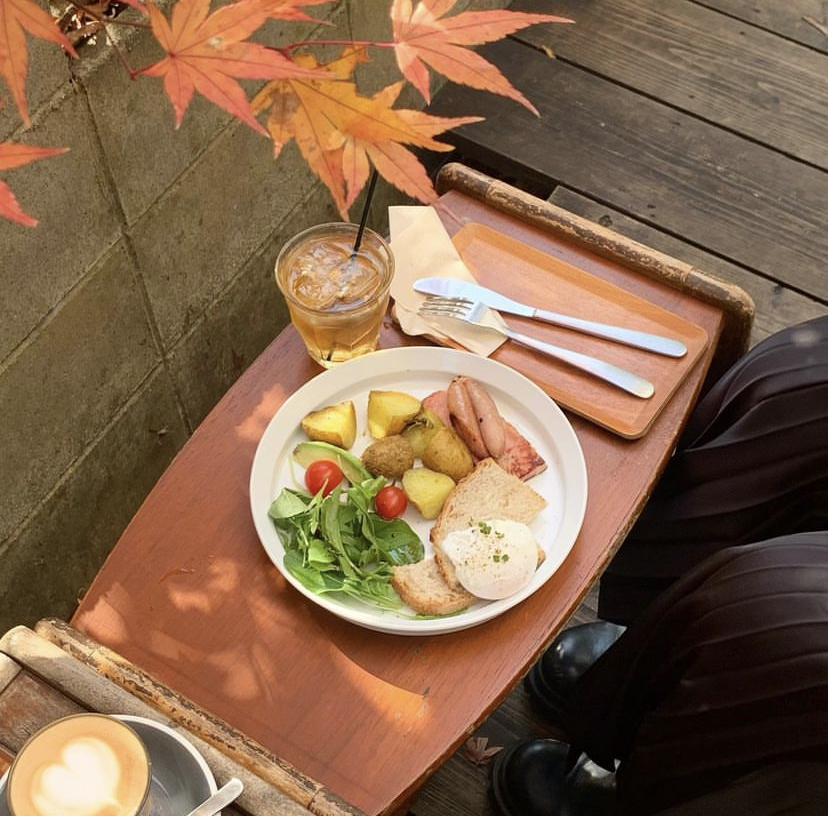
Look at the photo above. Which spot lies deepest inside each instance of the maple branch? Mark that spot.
(102, 21)
(341, 133)
(87, 30)
(345, 43)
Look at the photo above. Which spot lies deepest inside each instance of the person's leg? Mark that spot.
(751, 464)
(726, 673)
(724, 676)
(783, 789)
(552, 681)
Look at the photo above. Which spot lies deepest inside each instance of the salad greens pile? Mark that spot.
(338, 543)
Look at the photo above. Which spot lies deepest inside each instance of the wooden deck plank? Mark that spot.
(776, 306)
(740, 200)
(742, 78)
(797, 20)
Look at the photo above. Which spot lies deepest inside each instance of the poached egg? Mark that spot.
(492, 558)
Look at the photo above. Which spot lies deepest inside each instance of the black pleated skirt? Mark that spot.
(724, 675)
(783, 789)
(752, 464)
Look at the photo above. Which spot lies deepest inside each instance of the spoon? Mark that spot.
(221, 798)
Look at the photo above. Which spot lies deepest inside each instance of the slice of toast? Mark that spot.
(488, 492)
(423, 588)
(430, 586)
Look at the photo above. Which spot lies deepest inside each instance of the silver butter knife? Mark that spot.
(451, 287)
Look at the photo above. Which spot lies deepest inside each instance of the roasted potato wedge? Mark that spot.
(390, 411)
(427, 490)
(335, 424)
(447, 453)
(390, 456)
(420, 430)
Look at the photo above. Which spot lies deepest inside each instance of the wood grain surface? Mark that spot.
(742, 200)
(691, 57)
(776, 306)
(550, 282)
(56, 671)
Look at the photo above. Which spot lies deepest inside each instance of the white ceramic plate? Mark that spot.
(420, 371)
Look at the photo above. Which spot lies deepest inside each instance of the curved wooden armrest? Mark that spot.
(59, 670)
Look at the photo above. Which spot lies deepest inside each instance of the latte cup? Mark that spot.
(81, 765)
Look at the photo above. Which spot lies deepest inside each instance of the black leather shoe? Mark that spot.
(533, 778)
(551, 681)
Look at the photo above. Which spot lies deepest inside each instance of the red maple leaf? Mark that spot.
(424, 37)
(206, 53)
(13, 154)
(16, 18)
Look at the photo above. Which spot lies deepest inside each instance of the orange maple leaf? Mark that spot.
(478, 750)
(289, 9)
(341, 133)
(207, 54)
(424, 37)
(16, 18)
(13, 154)
(393, 161)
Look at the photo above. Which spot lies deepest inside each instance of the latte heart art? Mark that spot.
(84, 781)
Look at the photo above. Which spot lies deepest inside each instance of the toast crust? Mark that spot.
(421, 585)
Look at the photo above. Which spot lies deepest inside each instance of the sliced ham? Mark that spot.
(519, 456)
(437, 403)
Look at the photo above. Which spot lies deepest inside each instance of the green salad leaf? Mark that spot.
(338, 543)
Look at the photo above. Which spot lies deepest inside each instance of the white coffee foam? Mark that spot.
(84, 782)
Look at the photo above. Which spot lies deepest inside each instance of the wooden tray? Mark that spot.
(531, 276)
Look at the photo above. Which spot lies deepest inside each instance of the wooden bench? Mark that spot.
(54, 671)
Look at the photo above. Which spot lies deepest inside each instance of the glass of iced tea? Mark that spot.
(337, 298)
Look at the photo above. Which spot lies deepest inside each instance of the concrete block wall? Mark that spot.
(144, 292)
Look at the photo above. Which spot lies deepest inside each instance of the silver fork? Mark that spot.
(479, 315)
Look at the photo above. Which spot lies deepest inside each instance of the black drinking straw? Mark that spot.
(365, 207)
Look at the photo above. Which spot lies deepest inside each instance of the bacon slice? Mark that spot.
(519, 456)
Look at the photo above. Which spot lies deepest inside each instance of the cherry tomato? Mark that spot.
(322, 475)
(391, 502)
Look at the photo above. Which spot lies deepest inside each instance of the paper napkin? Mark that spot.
(422, 248)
